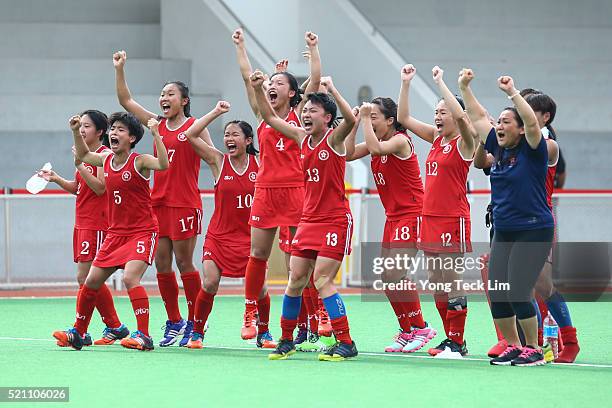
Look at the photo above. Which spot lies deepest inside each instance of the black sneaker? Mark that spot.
(301, 337)
(452, 349)
(284, 349)
(529, 357)
(506, 357)
(70, 337)
(339, 352)
(439, 348)
(87, 341)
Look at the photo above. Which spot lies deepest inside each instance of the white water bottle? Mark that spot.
(36, 183)
(551, 333)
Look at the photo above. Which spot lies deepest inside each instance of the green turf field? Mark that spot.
(232, 372)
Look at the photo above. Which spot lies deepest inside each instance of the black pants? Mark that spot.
(517, 258)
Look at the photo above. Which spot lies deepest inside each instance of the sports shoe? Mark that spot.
(110, 335)
(529, 357)
(301, 337)
(139, 341)
(399, 341)
(450, 349)
(548, 353)
(172, 332)
(284, 349)
(70, 337)
(325, 327)
(498, 348)
(570, 345)
(186, 334)
(339, 352)
(506, 357)
(419, 338)
(249, 325)
(87, 339)
(195, 342)
(265, 340)
(313, 344)
(439, 348)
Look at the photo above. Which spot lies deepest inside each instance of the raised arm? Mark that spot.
(123, 92)
(245, 69)
(477, 114)
(423, 130)
(482, 158)
(533, 134)
(208, 153)
(314, 82)
(397, 145)
(355, 151)
(339, 134)
(268, 114)
(146, 162)
(97, 182)
(468, 144)
(82, 152)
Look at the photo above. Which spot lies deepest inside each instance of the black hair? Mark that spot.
(529, 91)
(326, 102)
(294, 86)
(248, 133)
(388, 107)
(100, 121)
(458, 98)
(132, 123)
(543, 103)
(184, 90)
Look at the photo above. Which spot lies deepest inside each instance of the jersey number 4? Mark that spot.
(280, 145)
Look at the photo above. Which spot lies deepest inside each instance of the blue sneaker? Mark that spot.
(70, 337)
(172, 332)
(139, 341)
(187, 334)
(301, 337)
(87, 341)
(265, 340)
(339, 352)
(109, 336)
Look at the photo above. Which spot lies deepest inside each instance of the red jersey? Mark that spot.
(280, 157)
(177, 186)
(91, 209)
(233, 198)
(324, 170)
(129, 198)
(399, 184)
(445, 180)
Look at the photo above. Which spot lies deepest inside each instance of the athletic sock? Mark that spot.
(85, 308)
(255, 278)
(140, 304)
(203, 306)
(442, 306)
(289, 315)
(412, 308)
(191, 284)
(456, 315)
(337, 315)
(263, 311)
(106, 307)
(398, 308)
(303, 316)
(310, 295)
(558, 309)
(169, 291)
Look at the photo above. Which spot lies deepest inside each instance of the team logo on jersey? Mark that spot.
(181, 137)
(126, 176)
(323, 155)
(252, 176)
(89, 169)
(228, 178)
(293, 123)
(447, 149)
(383, 159)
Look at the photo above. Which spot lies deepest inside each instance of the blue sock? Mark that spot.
(559, 310)
(334, 306)
(291, 307)
(538, 313)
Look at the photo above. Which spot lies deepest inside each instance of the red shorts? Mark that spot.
(284, 239)
(330, 239)
(231, 260)
(277, 207)
(178, 223)
(402, 233)
(86, 244)
(118, 250)
(443, 235)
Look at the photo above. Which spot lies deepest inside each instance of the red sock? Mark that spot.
(78, 295)
(203, 306)
(263, 310)
(191, 284)
(168, 288)
(106, 307)
(255, 278)
(140, 304)
(341, 329)
(412, 307)
(303, 316)
(442, 306)
(287, 327)
(456, 320)
(398, 308)
(85, 308)
(310, 296)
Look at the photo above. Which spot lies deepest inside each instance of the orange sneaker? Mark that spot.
(498, 348)
(249, 325)
(139, 341)
(325, 327)
(195, 342)
(109, 335)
